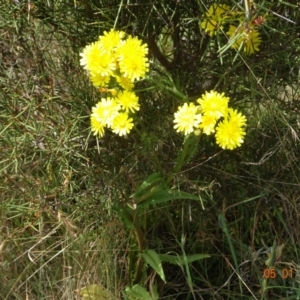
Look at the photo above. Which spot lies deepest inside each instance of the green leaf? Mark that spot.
(95, 292)
(192, 141)
(165, 195)
(138, 292)
(165, 43)
(180, 260)
(125, 215)
(155, 177)
(189, 148)
(153, 259)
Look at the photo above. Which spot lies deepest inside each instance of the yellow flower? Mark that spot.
(132, 59)
(236, 117)
(247, 37)
(229, 132)
(214, 104)
(105, 111)
(99, 80)
(208, 124)
(97, 61)
(187, 118)
(128, 101)
(121, 124)
(112, 39)
(97, 127)
(214, 18)
(125, 82)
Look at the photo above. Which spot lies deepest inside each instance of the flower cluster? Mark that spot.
(246, 37)
(212, 115)
(115, 61)
(243, 36)
(215, 18)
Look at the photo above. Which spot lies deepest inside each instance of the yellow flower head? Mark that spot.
(122, 124)
(208, 124)
(214, 104)
(111, 40)
(229, 132)
(214, 18)
(105, 111)
(128, 101)
(99, 80)
(247, 37)
(97, 126)
(187, 118)
(132, 58)
(125, 82)
(97, 61)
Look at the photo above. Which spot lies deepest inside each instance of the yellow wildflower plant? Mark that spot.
(244, 36)
(98, 80)
(132, 58)
(124, 59)
(214, 18)
(97, 61)
(111, 40)
(97, 126)
(208, 124)
(125, 82)
(187, 118)
(113, 55)
(128, 101)
(214, 104)
(106, 110)
(122, 124)
(230, 132)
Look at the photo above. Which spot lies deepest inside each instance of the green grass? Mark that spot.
(58, 184)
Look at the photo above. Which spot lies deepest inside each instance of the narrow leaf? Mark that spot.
(165, 195)
(153, 259)
(180, 260)
(189, 149)
(125, 215)
(155, 177)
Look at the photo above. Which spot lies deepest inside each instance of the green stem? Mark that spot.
(180, 161)
(145, 196)
(153, 154)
